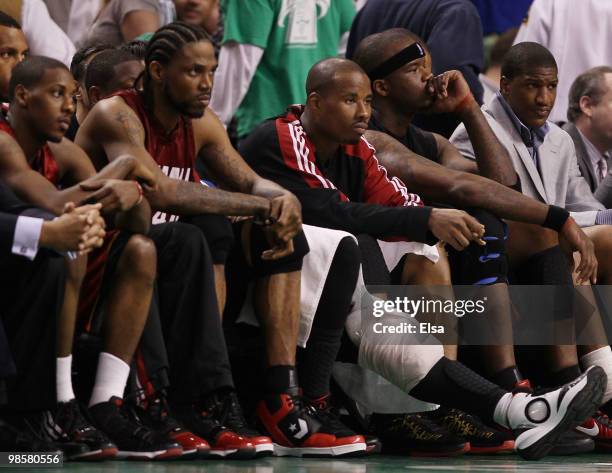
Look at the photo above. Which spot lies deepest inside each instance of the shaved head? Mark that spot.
(375, 49)
(322, 77)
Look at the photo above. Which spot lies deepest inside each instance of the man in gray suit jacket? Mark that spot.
(544, 159)
(590, 126)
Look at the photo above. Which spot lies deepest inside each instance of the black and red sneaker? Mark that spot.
(68, 428)
(134, 440)
(297, 429)
(224, 443)
(416, 435)
(483, 439)
(225, 408)
(156, 415)
(598, 428)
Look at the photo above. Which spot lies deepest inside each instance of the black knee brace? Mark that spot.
(482, 265)
(287, 264)
(218, 233)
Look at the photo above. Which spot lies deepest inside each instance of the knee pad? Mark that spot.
(219, 235)
(287, 264)
(482, 265)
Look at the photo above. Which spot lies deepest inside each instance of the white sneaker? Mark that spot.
(539, 420)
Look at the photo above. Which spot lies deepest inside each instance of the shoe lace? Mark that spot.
(130, 425)
(71, 419)
(327, 415)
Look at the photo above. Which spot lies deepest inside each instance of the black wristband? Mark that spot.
(555, 218)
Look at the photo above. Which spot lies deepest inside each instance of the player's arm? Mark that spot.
(452, 94)
(114, 126)
(111, 187)
(231, 171)
(461, 189)
(450, 157)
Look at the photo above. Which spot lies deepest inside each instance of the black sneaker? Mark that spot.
(13, 439)
(572, 443)
(330, 417)
(67, 427)
(225, 407)
(416, 435)
(157, 416)
(223, 442)
(134, 440)
(483, 439)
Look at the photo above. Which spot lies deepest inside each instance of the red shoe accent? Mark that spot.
(507, 446)
(170, 454)
(263, 445)
(103, 454)
(270, 421)
(231, 445)
(599, 429)
(523, 386)
(190, 442)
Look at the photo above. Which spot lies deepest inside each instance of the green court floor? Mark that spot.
(377, 464)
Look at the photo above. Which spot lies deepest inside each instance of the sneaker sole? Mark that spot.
(168, 454)
(264, 450)
(280, 451)
(506, 447)
(101, 454)
(234, 454)
(584, 404)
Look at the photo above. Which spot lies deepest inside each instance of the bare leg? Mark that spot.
(220, 286)
(130, 298)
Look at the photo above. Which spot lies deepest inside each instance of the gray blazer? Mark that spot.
(603, 191)
(561, 183)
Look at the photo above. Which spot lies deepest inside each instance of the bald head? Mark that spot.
(323, 76)
(375, 49)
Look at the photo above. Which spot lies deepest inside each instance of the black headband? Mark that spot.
(406, 55)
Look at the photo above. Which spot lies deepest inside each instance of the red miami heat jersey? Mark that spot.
(44, 163)
(174, 152)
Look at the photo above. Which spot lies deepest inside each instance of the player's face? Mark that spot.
(13, 50)
(126, 75)
(346, 109)
(188, 78)
(531, 95)
(50, 104)
(408, 84)
(204, 13)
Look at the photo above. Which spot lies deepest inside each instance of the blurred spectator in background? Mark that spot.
(452, 31)
(124, 20)
(590, 126)
(268, 48)
(491, 76)
(497, 17)
(75, 17)
(204, 13)
(43, 35)
(578, 34)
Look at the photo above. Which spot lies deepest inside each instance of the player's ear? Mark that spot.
(380, 87)
(314, 100)
(156, 71)
(504, 85)
(21, 95)
(95, 95)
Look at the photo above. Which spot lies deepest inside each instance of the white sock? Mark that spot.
(500, 415)
(63, 378)
(601, 357)
(111, 378)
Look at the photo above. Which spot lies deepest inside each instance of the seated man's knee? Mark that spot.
(286, 264)
(347, 256)
(217, 231)
(483, 264)
(139, 256)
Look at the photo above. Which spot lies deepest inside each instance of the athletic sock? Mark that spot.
(316, 361)
(280, 379)
(63, 378)
(453, 384)
(507, 378)
(563, 376)
(601, 357)
(111, 378)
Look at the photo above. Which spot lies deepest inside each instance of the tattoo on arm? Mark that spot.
(230, 172)
(132, 130)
